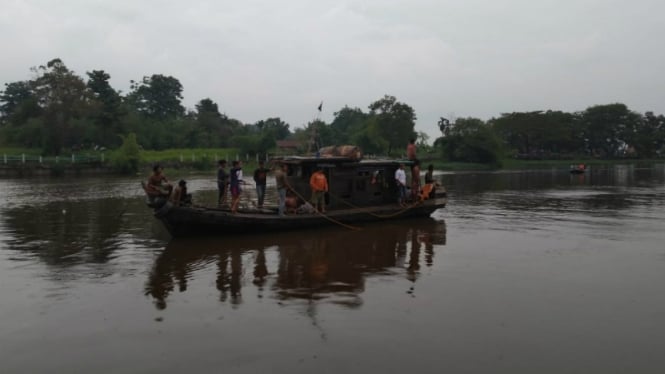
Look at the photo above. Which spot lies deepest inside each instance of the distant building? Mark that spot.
(288, 146)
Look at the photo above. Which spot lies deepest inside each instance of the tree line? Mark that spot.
(610, 131)
(58, 110)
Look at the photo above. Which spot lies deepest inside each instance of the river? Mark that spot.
(532, 271)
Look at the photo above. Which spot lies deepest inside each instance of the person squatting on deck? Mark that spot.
(180, 195)
(319, 185)
(280, 180)
(222, 182)
(260, 179)
(400, 179)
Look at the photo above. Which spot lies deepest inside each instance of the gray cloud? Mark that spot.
(268, 58)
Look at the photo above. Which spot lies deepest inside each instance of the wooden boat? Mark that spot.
(359, 191)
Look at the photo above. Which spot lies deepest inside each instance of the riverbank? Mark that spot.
(512, 164)
(27, 162)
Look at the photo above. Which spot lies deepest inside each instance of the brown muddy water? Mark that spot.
(524, 272)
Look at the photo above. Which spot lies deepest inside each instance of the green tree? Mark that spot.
(127, 158)
(209, 129)
(471, 140)
(63, 97)
(538, 133)
(275, 127)
(247, 144)
(347, 121)
(20, 116)
(396, 121)
(369, 137)
(157, 97)
(315, 135)
(649, 138)
(607, 128)
(108, 111)
(18, 103)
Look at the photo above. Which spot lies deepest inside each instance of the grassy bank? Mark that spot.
(190, 154)
(16, 151)
(205, 159)
(535, 164)
(512, 164)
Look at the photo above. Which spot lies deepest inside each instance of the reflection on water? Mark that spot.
(66, 233)
(542, 271)
(329, 265)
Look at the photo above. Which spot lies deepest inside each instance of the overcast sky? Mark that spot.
(268, 58)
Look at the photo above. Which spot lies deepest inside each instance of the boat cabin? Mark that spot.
(351, 182)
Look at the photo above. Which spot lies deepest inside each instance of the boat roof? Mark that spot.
(340, 160)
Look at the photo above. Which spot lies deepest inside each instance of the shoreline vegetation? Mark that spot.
(66, 121)
(27, 161)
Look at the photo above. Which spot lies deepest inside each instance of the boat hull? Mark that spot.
(191, 221)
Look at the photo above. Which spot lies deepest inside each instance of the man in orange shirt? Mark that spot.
(319, 185)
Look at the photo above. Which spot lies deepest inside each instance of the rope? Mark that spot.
(323, 215)
(374, 214)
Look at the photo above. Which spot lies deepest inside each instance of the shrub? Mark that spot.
(127, 158)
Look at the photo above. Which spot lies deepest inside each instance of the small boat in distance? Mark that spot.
(359, 191)
(577, 169)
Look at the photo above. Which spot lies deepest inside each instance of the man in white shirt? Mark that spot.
(400, 179)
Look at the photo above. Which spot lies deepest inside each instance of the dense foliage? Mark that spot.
(60, 111)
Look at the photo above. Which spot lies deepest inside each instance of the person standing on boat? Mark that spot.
(319, 185)
(236, 180)
(222, 182)
(280, 180)
(415, 179)
(400, 179)
(411, 150)
(429, 179)
(260, 179)
(429, 175)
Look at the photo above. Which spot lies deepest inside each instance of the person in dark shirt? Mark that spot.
(222, 182)
(260, 179)
(429, 176)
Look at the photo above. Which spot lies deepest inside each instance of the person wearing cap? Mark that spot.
(319, 185)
